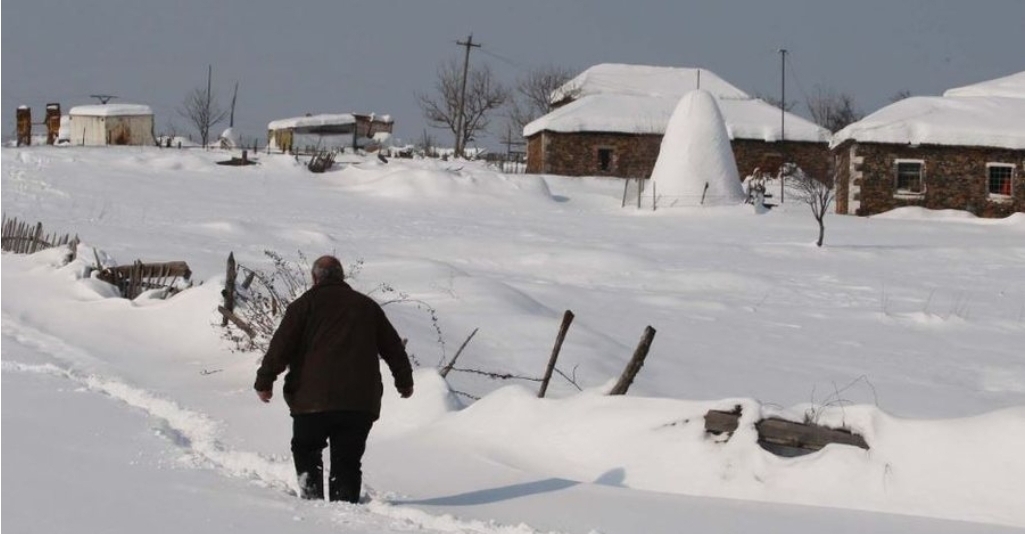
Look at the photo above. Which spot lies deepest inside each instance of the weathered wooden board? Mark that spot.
(777, 431)
(132, 280)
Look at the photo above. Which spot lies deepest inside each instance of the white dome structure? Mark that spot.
(695, 163)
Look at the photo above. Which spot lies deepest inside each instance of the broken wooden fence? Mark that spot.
(230, 292)
(634, 365)
(23, 238)
(781, 436)
(132, 280)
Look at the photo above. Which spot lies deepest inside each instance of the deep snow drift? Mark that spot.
(891, 330)
(695, 165)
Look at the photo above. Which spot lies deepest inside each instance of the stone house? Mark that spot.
(610, 119)
(964, 151)
(334, 132)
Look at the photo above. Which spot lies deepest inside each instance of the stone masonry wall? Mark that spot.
(812, 158)
(954, 178)
(576, 154)
(842, 164)
(535, 154)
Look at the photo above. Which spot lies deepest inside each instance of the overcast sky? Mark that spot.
(321, 56)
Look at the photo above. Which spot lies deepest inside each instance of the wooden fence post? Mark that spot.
(37, 239)
(567, 318)
(635, 364)
(229, 287)
(448, 368)
(21, 233)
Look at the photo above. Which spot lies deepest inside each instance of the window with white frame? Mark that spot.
(999, 177)
(909, 176)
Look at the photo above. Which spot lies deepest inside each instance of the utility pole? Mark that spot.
(209, 87)
(231, 121)
(207, 105)
(468, 43)
(782, 117)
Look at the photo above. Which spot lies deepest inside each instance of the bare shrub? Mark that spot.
(817, 193)
(262, 297)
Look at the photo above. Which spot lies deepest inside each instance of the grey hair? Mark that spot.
(327, 268)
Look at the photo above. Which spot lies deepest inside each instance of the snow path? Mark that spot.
(196, 435)
(493, 510)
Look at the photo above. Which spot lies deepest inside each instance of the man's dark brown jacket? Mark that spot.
(329, 340)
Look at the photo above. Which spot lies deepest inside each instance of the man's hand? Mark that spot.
(406, 392)
(265, 396)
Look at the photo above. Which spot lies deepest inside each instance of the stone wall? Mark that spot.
(535, 154)
(576, 154)
(812, 158)
(844, 181)
(954, 178)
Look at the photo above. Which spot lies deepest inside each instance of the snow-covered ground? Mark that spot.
(137, 416)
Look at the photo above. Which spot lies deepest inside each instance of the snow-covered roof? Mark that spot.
(110, 110)
(324, 119)
(645, 80)
(746, 118)
(932, 120)
(1012, 86)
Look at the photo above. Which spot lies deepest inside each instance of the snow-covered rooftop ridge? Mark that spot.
(110, 110)
(1012, 86)
(645, 80)
(746, 118)
(931, 120)
(324, 119)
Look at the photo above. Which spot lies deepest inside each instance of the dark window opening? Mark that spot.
(604, 159)
(909, 177)
(999, 182)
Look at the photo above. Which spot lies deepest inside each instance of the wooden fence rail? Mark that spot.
(132, 280)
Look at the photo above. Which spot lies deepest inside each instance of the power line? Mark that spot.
(800, 87)
(503, 59)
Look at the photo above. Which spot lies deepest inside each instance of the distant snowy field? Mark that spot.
(908, 327)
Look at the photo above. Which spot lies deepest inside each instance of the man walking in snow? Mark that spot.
(329, 340)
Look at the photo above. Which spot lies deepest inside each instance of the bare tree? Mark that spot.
(427, 145)
(900, 95)
(484, 94)
(818, 194)
(202, 111)
(775, 102)
(532, 97)
(833, 110)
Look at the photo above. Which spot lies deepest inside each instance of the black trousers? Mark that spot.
(347, 433)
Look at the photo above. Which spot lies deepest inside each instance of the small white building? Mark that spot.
(110, 124)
